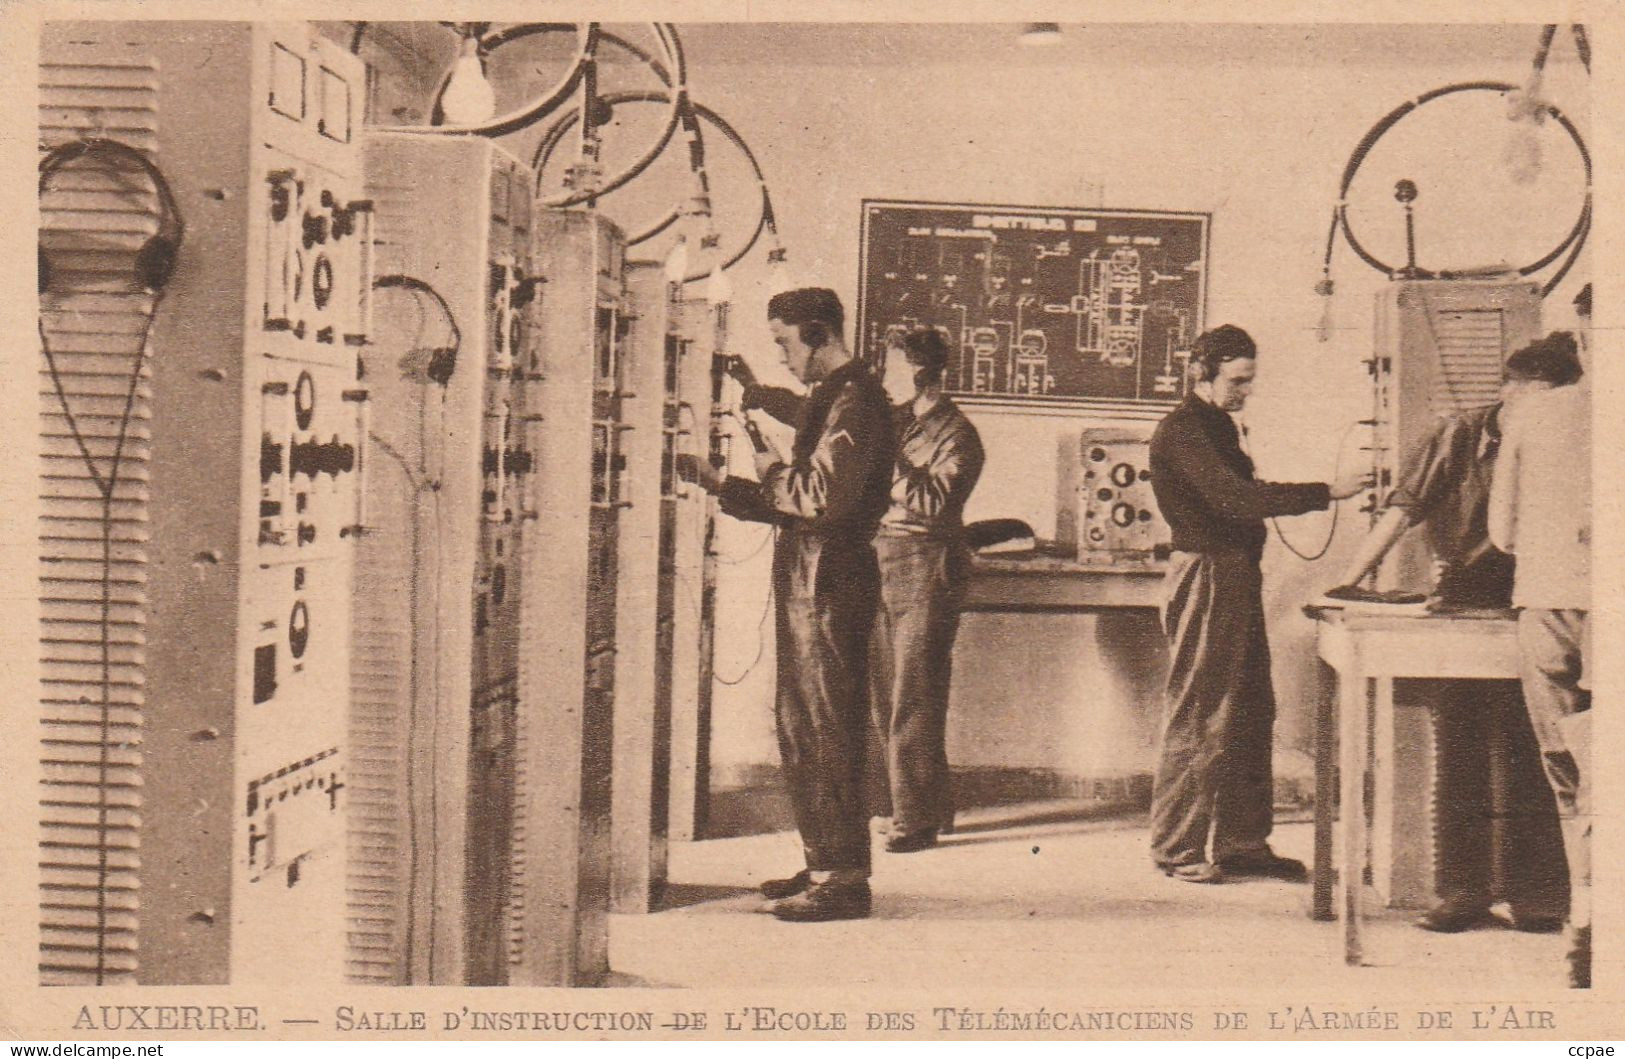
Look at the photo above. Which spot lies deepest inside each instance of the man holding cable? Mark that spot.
(1215, 777)
(827, 497)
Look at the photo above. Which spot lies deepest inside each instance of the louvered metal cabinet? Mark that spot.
(568, 613)
(1439, 349)
(195, 789)
(1440, 346)
(438, 579)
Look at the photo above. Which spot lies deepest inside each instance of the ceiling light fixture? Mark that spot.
(1041, 34)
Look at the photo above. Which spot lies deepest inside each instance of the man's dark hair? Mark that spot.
(1225, 342)
(1582, 301)
(1554, 359)
(815, 313)
(927, 350)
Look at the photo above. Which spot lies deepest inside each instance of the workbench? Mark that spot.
(1053, 579)
(1365, 648)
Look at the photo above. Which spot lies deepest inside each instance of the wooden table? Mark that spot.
(1367, 650)
(1054, 580)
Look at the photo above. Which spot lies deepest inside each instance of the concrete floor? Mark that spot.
(1046, 895)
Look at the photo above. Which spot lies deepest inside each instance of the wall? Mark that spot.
(1253, 127)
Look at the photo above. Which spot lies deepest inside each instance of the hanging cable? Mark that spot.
(1572, 243)
(1331, 531)
(766, 221)
(107, 490)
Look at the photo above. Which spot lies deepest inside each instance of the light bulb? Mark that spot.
(469, 98)
(1323, 330)
(677, 262)
(719, 288)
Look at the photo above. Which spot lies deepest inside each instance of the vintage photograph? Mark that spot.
(794, 527)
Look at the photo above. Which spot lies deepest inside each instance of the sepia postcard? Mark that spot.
(827, 521)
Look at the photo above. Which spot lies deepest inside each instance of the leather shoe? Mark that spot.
(1579, 957)
(1453, 917)
(1197, 872)
(1536, 922)
(824, 902)
(779, 889)
(1264, 863)
(910, 841)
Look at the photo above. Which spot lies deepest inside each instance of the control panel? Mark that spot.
(1117, 513)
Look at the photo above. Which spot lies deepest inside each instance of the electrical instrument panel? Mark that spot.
(1440, 346)
(1117, 516)
(704, 394)
(647, 589)
(453, 376)
(233, 544)
(562, 851)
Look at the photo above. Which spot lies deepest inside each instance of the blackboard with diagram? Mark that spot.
(1039, 306)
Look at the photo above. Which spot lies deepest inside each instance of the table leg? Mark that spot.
(1354, 706)
(1320, 906)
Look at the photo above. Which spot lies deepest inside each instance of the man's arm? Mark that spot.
(783, 405)
(829, 483)
(1425, 480)
(1502, 516)
(951, 472)
(1383, 536)
(1191, 455)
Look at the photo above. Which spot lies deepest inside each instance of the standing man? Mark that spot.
(1214, 769)
(1540, 510)
(1444, 484)
(826, 498)
(924, 565)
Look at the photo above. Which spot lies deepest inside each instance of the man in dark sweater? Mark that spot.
(1214, 768)
(826, 497)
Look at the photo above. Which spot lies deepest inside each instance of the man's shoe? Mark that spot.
(824, 902)
(1264, 863)
(910, 841)
(1453, 917)
(1197, 872)
(1579, 957)
(1536, 922)
(779, 889)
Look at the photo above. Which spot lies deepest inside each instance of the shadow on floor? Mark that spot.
(685, 895)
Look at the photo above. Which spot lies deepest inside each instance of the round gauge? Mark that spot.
(1123, 475)
(299, 629)
(1123, 514)
(304, 400)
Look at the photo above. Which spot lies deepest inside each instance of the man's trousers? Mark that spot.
(1214, 768)
(922, 584)
(1496, 833)
(1554, 648)
(825, 590)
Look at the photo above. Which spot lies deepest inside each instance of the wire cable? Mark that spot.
(1572, 242)
(761, 645)
(1331, 531)
(107, 488)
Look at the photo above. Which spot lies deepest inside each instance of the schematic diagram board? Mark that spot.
(1040, 306)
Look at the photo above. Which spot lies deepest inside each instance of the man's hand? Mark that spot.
(1351, 482)
(691, 468)
(740, 372)
(767, 459)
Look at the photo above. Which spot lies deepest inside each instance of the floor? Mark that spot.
(1045, 894)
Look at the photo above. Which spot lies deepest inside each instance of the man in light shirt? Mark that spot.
(1540, 511)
